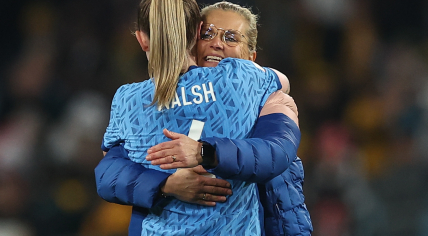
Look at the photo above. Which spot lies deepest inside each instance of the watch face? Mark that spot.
(208, 155)
(207, 149)
(204, 149)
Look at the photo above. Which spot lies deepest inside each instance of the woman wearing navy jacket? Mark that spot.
(280, 184)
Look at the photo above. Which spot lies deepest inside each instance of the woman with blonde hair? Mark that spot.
(215, 102)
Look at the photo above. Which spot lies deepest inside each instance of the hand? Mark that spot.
(190, 185)
(181, 152)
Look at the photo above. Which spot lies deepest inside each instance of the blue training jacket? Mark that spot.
(120, 180)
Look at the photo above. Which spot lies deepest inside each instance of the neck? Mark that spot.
(191, 61)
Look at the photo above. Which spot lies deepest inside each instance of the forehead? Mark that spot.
(226, 20)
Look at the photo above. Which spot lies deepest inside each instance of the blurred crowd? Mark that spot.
(358, 72)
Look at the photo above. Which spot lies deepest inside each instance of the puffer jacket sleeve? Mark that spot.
(270, 151)
(120, 180)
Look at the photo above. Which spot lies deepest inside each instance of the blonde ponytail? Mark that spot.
(168, 52)
(172, 27)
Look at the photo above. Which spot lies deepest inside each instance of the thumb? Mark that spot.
(199, 169)
(170, 134)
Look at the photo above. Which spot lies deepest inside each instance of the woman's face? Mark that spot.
(210, 52)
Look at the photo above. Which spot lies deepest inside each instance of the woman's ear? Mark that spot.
(143, 40)
(199, 31)
(253, 56)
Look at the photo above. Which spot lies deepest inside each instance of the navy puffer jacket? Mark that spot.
(275, 167)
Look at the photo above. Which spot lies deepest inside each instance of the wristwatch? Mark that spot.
(208, 155)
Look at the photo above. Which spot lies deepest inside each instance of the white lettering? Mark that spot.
(183, 95)
(199, 92)
(176, 101)
(199, 95)
(211, 91)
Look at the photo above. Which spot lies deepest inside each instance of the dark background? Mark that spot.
(358, 73)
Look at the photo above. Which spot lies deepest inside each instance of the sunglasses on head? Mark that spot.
(231, 37)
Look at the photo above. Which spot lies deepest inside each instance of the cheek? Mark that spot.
(200, 45)
(235, 52)
(245, 52)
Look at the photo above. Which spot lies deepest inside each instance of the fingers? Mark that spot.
(187, 185)
(173, 165)
(169, 162)
(170, 144)
(173, 162)
(209, 199)
(183, 148)
(162, 146)
(161, 159)
(205, 203)
(212, 198)
(159, 152)
(218, 191)
(213, 182)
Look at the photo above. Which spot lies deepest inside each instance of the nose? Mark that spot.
(217, 42)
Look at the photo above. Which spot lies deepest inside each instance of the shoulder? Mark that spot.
(237, 61)
(241, 64)
(131, 88)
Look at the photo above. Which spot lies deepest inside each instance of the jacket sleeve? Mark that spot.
(120, 180)
(268, 153)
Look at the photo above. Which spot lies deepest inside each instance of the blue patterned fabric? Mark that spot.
(282, 197)
(279, 175)
(227, 98)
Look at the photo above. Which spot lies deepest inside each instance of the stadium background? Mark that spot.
(358, 72)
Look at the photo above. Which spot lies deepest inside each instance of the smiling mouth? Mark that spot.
(213, 59)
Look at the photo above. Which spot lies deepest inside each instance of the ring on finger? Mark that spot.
(173, 158)
(203, 197)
